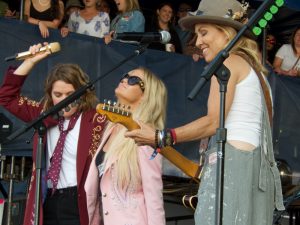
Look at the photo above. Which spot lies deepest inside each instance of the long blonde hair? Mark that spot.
(246, 48)
(152, 110)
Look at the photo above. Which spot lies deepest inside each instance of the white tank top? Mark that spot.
(243, 122)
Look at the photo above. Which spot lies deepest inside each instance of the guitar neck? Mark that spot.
(189, 167)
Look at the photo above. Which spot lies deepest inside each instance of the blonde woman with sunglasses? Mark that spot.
(123, 185)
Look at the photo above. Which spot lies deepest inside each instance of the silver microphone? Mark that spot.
(147, 37)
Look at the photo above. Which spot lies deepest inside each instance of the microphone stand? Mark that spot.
(41, 129)
(217, 68)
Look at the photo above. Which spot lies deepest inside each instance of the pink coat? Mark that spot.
(141, 207)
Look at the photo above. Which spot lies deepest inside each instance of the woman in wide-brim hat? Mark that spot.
(252, 188)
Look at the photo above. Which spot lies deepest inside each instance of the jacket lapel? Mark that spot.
(84, 141)
(104, 140)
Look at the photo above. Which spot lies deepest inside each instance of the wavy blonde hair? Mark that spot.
(151, 110)
(246, 48)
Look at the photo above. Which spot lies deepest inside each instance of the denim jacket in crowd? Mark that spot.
(132, 21)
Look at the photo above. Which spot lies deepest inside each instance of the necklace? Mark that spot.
(45, 3)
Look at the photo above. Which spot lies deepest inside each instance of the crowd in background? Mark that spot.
(104, 18)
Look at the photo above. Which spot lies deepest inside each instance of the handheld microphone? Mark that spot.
(148, 37)
(52, 47)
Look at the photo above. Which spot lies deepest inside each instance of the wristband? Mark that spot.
(173, 134)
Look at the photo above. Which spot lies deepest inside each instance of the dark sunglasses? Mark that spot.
(133, 80)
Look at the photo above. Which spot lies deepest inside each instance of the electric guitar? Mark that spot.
(117, 114)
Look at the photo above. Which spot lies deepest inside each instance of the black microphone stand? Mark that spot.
(41, 129)
(217, 68)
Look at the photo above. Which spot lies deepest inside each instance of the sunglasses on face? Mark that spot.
(133, 80)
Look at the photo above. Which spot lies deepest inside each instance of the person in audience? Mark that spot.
(44, 13)
(184, 35)
(70, 141)
(271, 47)
(88, 21)
(10, 8)
(163, 20)
(191, 48)
(70, 7)
(287, 58)
(129, 19)
(252, 187)
(124, 183)
(108, 6)
(103, 6)
(3, 8)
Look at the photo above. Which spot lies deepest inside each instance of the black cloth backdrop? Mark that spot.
(180, 73)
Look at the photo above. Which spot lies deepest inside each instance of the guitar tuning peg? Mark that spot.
(114, 103)
(123, 109)
(104, 103)
(127, 111)
(109, 102)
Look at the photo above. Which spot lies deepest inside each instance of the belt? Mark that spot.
(63, 191)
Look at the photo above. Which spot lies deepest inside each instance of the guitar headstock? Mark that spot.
(117, 114)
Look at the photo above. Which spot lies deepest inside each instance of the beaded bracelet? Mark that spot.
(161, 139)
(156, 138)
(168, 138)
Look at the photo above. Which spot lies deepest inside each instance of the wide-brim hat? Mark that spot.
(222, 12)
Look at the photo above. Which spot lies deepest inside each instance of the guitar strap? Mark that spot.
(267, 95)
(265, 89)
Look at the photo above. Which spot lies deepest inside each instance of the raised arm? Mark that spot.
(29, 63)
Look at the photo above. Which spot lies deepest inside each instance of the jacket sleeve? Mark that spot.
(151, 173)
(137, 23)
(12, 100)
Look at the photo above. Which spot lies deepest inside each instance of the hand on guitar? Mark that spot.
(143, 136)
